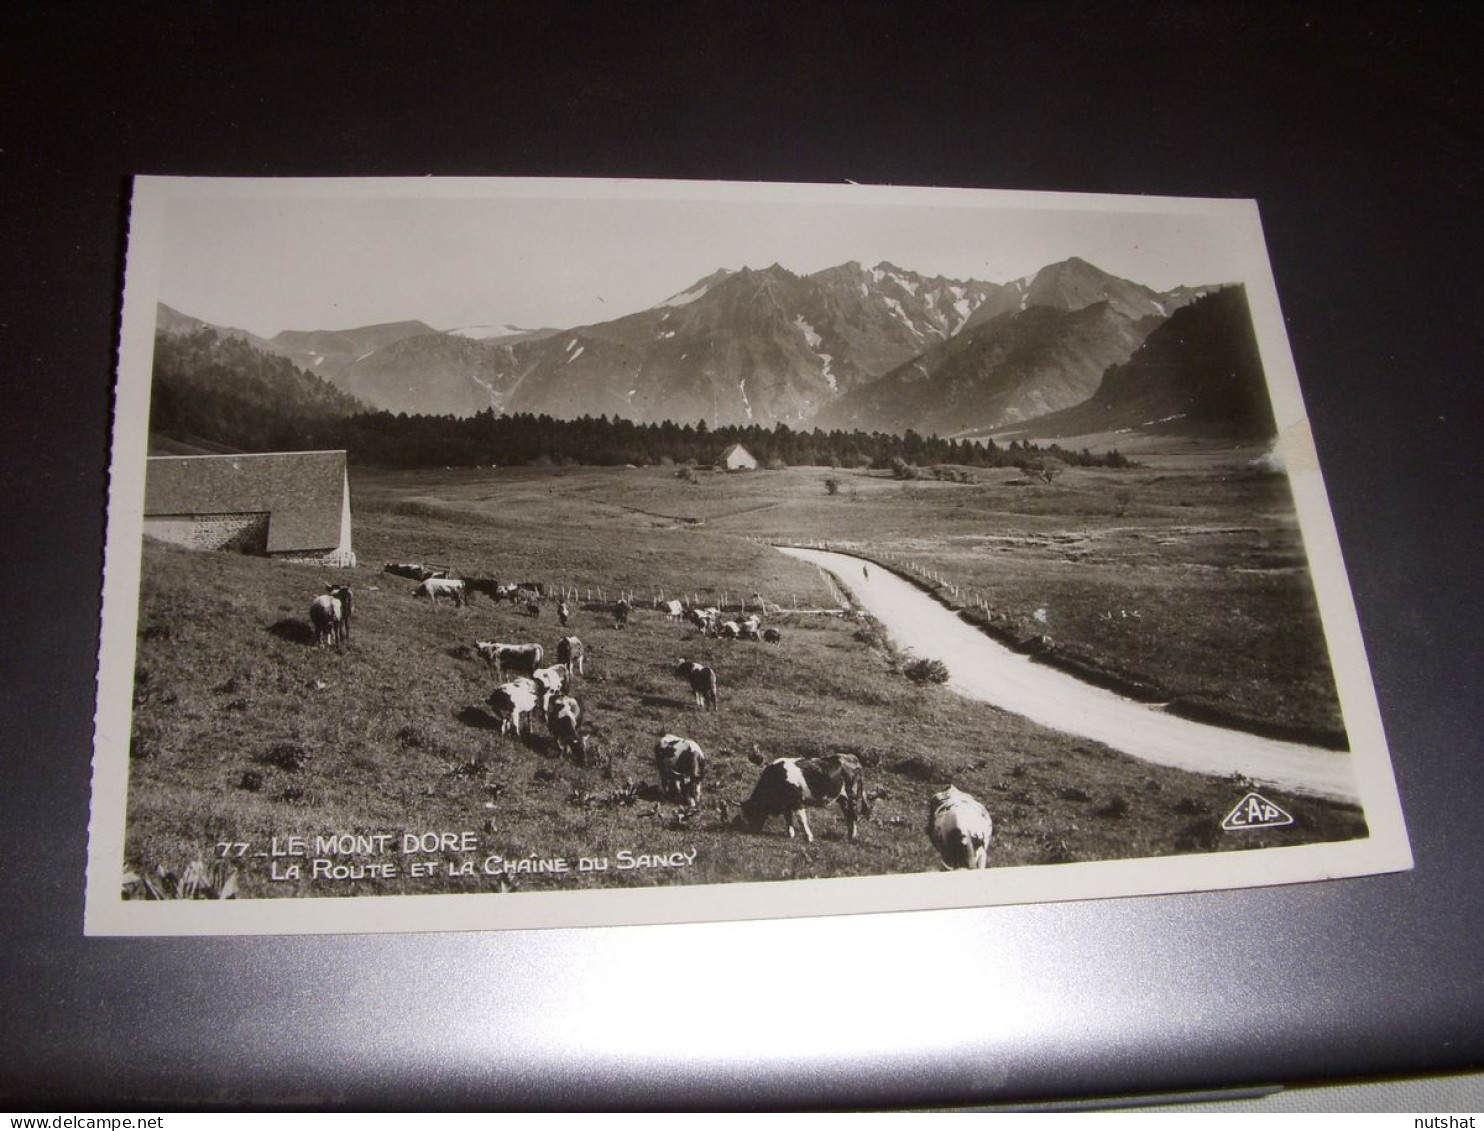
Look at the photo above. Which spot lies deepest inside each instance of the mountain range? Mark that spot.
(873, 348)
(1197, 374)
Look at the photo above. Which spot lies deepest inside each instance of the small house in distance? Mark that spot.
(290, 505)
(737, 458)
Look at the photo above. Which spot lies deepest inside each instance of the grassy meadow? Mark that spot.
(1183, 579)
(244, 731)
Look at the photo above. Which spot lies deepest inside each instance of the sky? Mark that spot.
(274, 255)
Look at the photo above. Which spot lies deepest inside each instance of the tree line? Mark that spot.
(225, 392)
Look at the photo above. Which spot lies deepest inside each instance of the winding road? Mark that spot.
(981, 668)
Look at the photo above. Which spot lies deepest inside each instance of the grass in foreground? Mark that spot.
(244, 732)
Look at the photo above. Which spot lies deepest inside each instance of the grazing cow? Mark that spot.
(959, 828)
(788, 786)
(702, 682)
(486, 585)
(533, 608)
(772, 635)
(672, 609)
(564, 613)
(536, 587)
(570, 651)
(701, 618)
(621, 612)
(563, 723)
(682, 766)
(415, 571)
(560, 704)
(435, 587)
(752, 623)
(516, 657)
(747, 632)
(329, 613)
(513, 701)
(729, 630)
(552, 681)
(507, 592)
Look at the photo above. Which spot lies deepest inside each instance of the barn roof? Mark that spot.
(303, 492)
(731, 448)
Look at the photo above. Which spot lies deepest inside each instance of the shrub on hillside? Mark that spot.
(872, 634)
(926, 671)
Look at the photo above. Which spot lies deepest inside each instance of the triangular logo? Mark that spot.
(1256, 812)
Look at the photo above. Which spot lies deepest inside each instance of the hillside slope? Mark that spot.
(1199, 374)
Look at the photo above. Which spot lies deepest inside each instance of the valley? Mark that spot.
(243, 731)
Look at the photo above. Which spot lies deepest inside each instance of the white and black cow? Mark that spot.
(702, 682)
(681, 765)
(563, 722)
(552, 681)
(515, 657)
(512, 702)
(789, 786)
(435, 587)
(329, 613)
(570, 651)
(960, 829)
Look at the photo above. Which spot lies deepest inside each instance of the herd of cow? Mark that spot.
(958, 826)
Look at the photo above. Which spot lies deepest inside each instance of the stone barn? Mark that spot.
(291, 505)
(738, 458)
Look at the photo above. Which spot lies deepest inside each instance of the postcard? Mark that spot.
(502, 553)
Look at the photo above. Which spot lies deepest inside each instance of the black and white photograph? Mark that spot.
(515, 553)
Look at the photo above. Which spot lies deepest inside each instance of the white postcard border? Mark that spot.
(107, 913)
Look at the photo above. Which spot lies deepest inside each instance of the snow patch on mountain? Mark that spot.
(486, 330)
(810, 334)
(896, 308)
(747, 404)
(497, 401)
(685, 298)
(815, 341)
